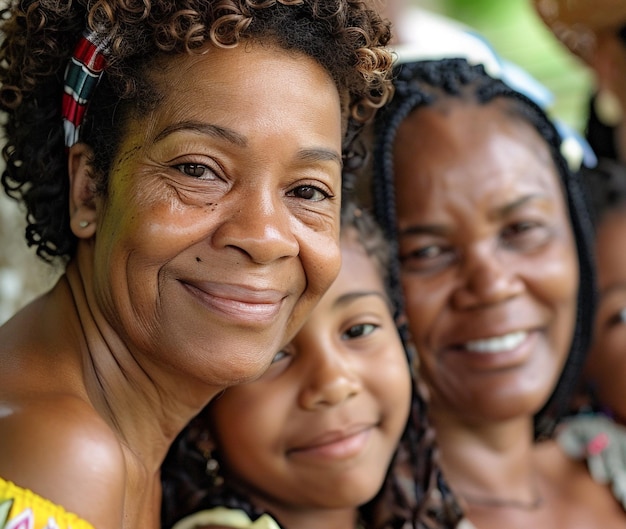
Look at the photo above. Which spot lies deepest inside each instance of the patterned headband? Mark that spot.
(82, 75)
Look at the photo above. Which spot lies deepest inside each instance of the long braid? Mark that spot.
(421, 83)
(437, 506)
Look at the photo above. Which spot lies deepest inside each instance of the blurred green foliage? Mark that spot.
(519, 35)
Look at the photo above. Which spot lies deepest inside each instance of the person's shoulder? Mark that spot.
(225, 518)
(586, 500)
(59, 447)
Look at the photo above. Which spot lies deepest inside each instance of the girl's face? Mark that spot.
(220, 229)
(606, 363)
(318, 430)
(489, 265)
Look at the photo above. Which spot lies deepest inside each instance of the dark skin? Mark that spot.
(606, 364)
(101, 374)
(490, 278)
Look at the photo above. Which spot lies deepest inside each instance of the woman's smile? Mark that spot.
(239, 302)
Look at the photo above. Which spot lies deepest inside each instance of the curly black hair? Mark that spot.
(414, 494)
(346, 37)
(422, 83)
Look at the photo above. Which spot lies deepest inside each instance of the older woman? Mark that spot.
(172, 155)
(494, 263)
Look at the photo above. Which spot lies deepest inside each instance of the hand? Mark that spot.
(602, 442)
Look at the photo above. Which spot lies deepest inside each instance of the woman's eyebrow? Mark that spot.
(316, 154)
(201, 127)
(320, 154)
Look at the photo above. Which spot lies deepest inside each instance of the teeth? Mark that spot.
(497, 344)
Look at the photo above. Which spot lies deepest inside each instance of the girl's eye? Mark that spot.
(618, 318)
(195, 170)
(356, 331)
(312, 193)
(280, 355)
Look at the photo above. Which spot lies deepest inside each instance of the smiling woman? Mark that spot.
(494, 262)
(174, 161)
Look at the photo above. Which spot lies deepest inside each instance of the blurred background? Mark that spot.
(511, 26)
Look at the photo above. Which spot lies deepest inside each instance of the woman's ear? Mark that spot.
(83, 214)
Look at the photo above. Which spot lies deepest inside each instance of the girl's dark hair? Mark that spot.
(421, 83)
(346, 37)
(414, 494)
(606, 185)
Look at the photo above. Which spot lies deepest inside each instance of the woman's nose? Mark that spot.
(486, 279)
(260, 226)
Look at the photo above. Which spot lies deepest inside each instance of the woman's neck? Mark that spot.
(116, 376)
(489, 463)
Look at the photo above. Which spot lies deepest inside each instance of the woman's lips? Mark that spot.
(238, 302)
(506, 350)
(496, 344)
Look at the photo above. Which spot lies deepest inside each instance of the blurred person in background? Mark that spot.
(595, 31)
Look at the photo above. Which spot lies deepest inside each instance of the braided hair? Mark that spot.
(419, 499)
(421, 83)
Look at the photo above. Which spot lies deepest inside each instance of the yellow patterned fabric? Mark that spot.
(23, 509)
(222, 516)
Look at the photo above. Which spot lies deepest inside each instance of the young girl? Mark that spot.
(310, 443)
(596, 431)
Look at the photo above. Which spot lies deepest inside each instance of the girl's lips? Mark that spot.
(238, 302)
(334, 445)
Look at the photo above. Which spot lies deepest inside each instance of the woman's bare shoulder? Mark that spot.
(59, 447)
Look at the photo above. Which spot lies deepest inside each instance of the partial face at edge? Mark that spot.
(606, 363)
(220, 230)
(489, 264)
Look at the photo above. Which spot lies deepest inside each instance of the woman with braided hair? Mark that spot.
(182, 162)
(494, 266)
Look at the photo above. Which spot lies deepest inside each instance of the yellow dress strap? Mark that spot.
(23, 509)
(222, 516)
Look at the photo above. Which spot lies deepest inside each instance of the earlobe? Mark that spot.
(83, 213)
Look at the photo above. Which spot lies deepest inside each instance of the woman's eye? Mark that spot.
(427, 252)
(519, 227)
(312, 193)
(525, 234)
(356, 331)
(196, 170)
